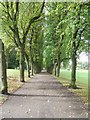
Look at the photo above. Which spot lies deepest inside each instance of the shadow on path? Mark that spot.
(43, 97)
(32, 95)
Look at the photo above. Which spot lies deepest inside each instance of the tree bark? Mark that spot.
(3, 76)
(31, 55)
(58, 69)
(32, 68)
(73, 73)
(28, 65)
(28, 69)
(22, 64)
(55, 66)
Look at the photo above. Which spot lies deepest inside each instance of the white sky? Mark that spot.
(83, 57)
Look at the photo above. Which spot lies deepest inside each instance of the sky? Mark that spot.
(83, 57)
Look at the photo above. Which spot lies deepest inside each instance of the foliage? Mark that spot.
(66, 25)
(37, 48)
(58, 34)
(17, 18)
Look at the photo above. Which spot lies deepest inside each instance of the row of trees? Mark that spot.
(22, 34)
(18, 23)
(53, 35)
(66, 36)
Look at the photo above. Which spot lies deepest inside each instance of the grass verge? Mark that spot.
(82, 91)
(13, 83)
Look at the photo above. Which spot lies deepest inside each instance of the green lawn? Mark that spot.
(13, 82)
(82, 75)
(14, 73)
(81, 82)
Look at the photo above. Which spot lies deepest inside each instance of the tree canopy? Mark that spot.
(45, 35)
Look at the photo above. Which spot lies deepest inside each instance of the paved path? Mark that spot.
(43, 97)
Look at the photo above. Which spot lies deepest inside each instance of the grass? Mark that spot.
(2, 99)
(81, 75)
(14, 73)
(82, 82)
(13, 82)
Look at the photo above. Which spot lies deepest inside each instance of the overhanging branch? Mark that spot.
(31, 21)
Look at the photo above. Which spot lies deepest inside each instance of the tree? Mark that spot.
(79, 26)
(12, 60)
(3, 75)
(56, 33)
(18, 25)
(37, 50)
(67, 24)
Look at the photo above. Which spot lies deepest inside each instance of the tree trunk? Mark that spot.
(22, 64)
(3, 76)
(28, 69)
(55, 66)
(73, 73)
(28, 65)
(32, 68)
(58, 69)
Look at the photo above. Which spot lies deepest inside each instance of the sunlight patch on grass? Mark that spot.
(81, 75)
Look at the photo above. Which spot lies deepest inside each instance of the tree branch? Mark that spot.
(77, 23)
(80, 32)
(16, 31)
(65, 59)
(7, 6)
(17, 10)
(12, 38)
(31, 21)
(26, 56)
(14, 21)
